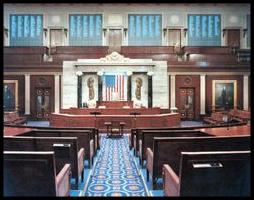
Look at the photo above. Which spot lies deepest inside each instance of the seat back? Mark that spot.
(29, 173)
(215, 173)
(168, 150)
(84, 137)
(25, 143)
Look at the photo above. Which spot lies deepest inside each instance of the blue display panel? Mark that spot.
(204, 30)
(26, 30)
(85, 30)
(144, 30)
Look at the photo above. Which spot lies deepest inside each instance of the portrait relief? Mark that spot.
(90, 85)
(139, 83)
(10, 95)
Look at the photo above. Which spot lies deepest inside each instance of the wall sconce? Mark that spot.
(45, 30)
(99, 73)
(6, 31)
(79, 73)
(65, 31)
(244, 32)
(150, 73)
(185, 31)
(129, 73)
(164, 31)
(223, 32)
(104, 31)
(125, 31)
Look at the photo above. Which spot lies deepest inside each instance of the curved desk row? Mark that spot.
(159, 120)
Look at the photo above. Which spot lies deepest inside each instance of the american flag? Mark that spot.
(114, 87)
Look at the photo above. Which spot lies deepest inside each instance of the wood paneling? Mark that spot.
(206, 50)
(147, 49)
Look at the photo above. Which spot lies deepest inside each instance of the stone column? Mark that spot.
(57, 93)
(202, 94)
(27, 94)
(246, 92)
(150, 89)
(129, 86)
(173, 93)
(79, 85)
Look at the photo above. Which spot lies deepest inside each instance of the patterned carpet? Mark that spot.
(115, 173)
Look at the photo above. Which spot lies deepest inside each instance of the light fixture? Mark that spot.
(244, 31)
(104, 31)
(165, 31)
(6, 31)
(223, 32)
(185, 31)
(79, 73)
(99, 73)
(65, 31)
(129, 73)
(150, 73)
(45, 30)
(125, 31)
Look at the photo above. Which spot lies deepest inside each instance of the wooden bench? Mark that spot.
(94, 131)
(168, 150)
(146, 138)
(85, 139)
(134, 137)
(34, 174)
(240, 115)
(209, 174)
(65, 148)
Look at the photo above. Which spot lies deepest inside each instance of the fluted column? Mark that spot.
(27, 94)
(173, 93)
(57, 93)
(202, 94)
(246, 92)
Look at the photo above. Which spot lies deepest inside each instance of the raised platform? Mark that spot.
(82, 118)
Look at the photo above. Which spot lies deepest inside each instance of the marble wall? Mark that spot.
(138, 68)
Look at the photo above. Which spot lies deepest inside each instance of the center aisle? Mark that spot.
(115, 173)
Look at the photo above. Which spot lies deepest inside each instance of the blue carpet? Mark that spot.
(115, 172)
(151, 192)
(81, 185)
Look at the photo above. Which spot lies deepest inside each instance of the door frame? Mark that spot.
(116, 28)
(193, 103)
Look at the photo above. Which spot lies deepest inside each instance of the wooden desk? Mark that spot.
(109, 126)
(9, 131)
(227, 131)
(114, 104)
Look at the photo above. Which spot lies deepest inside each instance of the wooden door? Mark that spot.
(56, 37)
(233, 38)
(174, 37)
(115, 40)
(42, 101)
(187, 104)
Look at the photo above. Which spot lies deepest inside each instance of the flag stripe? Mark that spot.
(114, 87)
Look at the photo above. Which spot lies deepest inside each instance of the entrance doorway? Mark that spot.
(233, 38)
(174, 37)
(115, 40)
(42, 101)
(187, 103)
